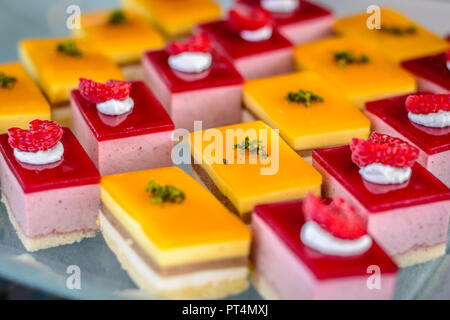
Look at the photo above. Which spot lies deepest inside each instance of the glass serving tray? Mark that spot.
(101, 276)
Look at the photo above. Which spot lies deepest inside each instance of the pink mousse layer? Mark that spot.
(438, 164)
(145, 151)
(215, 107)
(306, 31)
(289, 278)
(398, 230)
(427, 85)
(53, 211)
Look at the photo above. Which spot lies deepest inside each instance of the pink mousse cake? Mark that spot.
(407, 207)
(432, 72)
(317, 249)
(299, 21)
(251, 42)
(195, 82)
(122, 126)
(391, 116)
(50, 187)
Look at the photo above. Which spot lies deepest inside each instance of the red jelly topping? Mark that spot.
(422, 188)
(75, 169)
(427, 103)
(336, 216)
(431, 68)
(383, 149)
(43, 135)
(221, 73)
(232, 45)
(246, 17)
(147, 115)
(97, 92)
(393, 112)
(286, 219)
(196, 43)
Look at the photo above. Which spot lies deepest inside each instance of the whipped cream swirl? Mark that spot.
(115, 107)
(315, 237)
(440, 119)
(42, 156)
(280, 6)
(384, 174)
(191, 62)
(260, 34)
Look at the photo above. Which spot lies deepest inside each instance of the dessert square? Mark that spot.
(175, 17)
(399, 38)
(56, 64)
(262, 53)
(305, 124)
(212, 95)
(431, 72)
(362, 74)
(121, 35)
(390, 116)
(242, 176)
(22, 101)
(287, 268)
(51, 204)
(299, 21)
(188, 247)
(409, 220)
(136, 140)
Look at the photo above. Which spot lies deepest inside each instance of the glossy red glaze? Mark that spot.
(147, 115)
(432, 68)
(75, 169)
(393, 112)
(306, 11)
(286, 220)
(421, 188)
(235, 47)
(221, 73)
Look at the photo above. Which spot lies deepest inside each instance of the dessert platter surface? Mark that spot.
(101, 274)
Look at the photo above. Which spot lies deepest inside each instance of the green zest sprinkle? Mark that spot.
(344, 58)
(164, 193)
(225, 161)
(69, 48)
(252, 146)
(398, 31)
(6, 82)
(117, 17)
(302, 96)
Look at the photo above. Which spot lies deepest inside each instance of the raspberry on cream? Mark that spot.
(430, 110)
(250, 22)
(384, 159)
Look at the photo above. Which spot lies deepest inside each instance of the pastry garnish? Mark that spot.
(69, 48)
(164, 193)
(117, 17)
(383, 149)
(195, 43)
(399, 31)
(246, 17)
(252, 146)
(43, 135)
(301, 96)
(6, 81)
(97, 92)
(335, 216)
(427, 103)
(344, 58)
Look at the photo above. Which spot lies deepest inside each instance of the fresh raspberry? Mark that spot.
(336, 216)
(246, 17)
(427, 103)
(195, 43)
(383, 149)
(43, 135)
(97, 92)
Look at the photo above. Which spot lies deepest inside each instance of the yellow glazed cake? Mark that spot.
(244, 177)
(175, 17)
(21, 101)
(399, 38)
(305, 124)
(369, 77)
(191, 248)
